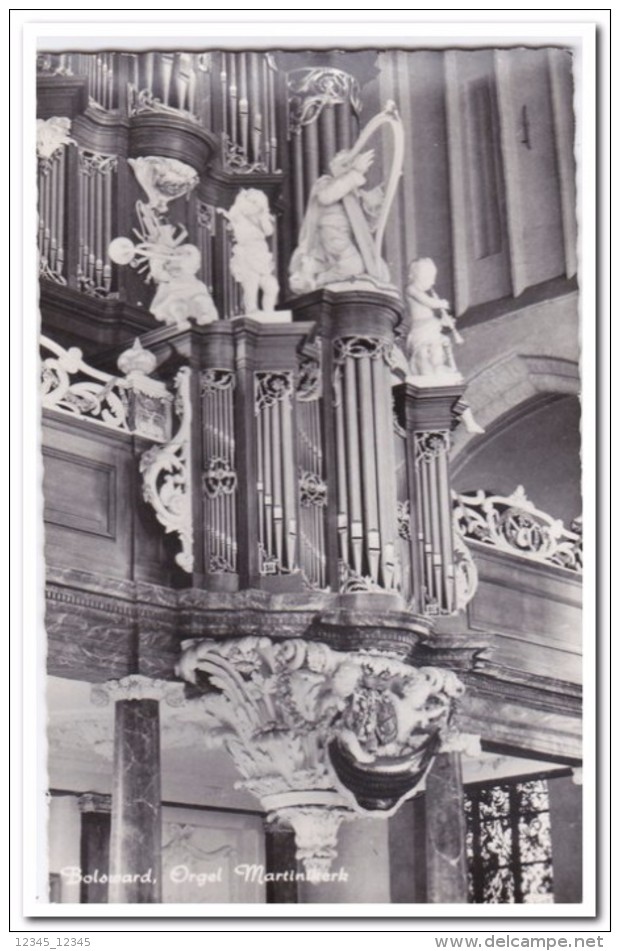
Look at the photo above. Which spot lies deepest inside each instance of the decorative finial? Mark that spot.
(137, 360)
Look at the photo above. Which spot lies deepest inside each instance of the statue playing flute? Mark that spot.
(433, 328)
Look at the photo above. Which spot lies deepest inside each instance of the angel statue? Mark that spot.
(429, 346)
(171, 264)
(342, 232)
(251, 263)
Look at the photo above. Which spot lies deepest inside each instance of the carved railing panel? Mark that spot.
(513, 524)
(133, 403)
(219, 479)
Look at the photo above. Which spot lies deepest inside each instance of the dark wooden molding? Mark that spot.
(171, 136)
(61, 96)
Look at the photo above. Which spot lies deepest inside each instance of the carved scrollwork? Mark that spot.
(96, 163)
(213, 380)
(431, 445)
(312, 490)
(144, 101)
(235, 159)
(220, 564)
(358, 347)
(91, 393)
(219, 478)
(309, 382)
(272, 388)
(352, 583)
(166, 476)
(465, 572)
(311, 89)
(514, 524)
(403, 513)
(206, 217)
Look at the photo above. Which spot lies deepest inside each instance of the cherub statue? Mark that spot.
(429, 348)
(251, 263)
(180, 294)
(172, 265)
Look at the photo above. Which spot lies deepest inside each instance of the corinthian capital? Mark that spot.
(310, 728)
(132, 687)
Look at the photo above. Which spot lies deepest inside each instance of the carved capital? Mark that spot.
(133, 687)
(311, 728)
(467, 743)
(316, 833)
(95, 802)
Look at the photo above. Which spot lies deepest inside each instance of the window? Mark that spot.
(509, 843)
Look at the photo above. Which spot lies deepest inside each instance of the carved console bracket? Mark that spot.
(321, 735)
(166, 476)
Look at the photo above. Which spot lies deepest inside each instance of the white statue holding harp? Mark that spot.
(342, 233)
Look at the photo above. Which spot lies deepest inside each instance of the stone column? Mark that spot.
(280, 857)
(446, 859)
(95, 809)
(565, 815)
(135, 838)
(64, 849)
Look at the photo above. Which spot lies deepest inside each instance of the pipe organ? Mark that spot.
(323, 118)
(96, 201)
(219, 479)
(291, 535)
(51, 233)
(309, 474)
